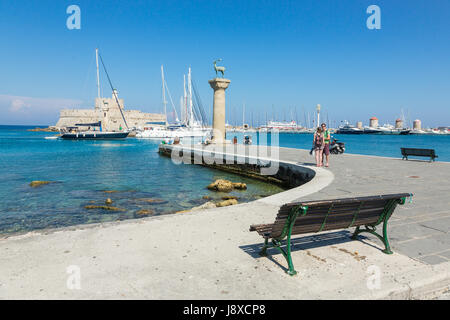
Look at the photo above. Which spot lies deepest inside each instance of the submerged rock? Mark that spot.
(145, 212)
(103, 207)
(239, 186)
(39, 183)
(108, 201)
(229, 197)
(116, 191)
(226, 203)
(152, 200)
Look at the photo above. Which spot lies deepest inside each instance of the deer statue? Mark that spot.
(219, 69)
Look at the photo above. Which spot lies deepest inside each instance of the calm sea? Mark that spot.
(83, 170)
(378, 145)
(132, 168)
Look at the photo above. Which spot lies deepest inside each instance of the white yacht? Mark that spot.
(349, 129)
(189, 127)
(281, 126)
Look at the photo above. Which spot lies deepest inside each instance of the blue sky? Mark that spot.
(283, 57)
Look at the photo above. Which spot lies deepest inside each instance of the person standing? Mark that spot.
(327, 139)
(319, 144)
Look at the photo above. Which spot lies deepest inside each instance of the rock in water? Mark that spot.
(221, 185)
(108, 201)
(110, 191)
(103, 207)
(229, 197)
(144, 212)
(239, 186)
(152, 201)
(226, 203)
(39, 183)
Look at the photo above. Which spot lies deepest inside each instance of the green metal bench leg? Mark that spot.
(387, 248)
(385, 217)
(286, 254)
(355, 234)
(263, 251)
(291, 271)
(287, 231)
(384, 238)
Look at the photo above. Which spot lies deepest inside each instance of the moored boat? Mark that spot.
(349, 129)
(77, 133)
(94, 135)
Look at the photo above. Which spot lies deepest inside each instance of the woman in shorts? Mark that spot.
(319, 144)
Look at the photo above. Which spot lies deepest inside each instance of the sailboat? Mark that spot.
(74, 133)
(187, 127)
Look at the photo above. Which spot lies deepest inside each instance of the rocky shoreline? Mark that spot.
(218, 198)
(48, 129)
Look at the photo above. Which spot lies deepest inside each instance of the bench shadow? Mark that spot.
(305, 243)
(416, 160)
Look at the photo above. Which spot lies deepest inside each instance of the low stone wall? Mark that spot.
(287, 176)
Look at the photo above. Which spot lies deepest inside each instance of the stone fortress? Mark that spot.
(107, 111)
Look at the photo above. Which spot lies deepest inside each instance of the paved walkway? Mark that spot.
(210, 254)
(420, 229)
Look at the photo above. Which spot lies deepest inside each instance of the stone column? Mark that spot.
(219, 85)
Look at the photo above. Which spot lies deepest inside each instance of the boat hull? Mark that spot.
(95, 136)
(349, 132)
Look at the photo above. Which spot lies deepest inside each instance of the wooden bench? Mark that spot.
(418, 153)
(317, 216)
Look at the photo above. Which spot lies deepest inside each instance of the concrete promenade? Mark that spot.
(210, 254)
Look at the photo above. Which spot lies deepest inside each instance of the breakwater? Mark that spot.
(285, 174)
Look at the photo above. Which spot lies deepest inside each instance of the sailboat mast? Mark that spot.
(98, 74)
(191, 113)
(164, 93)
(114, 93)
(185, 120)
(243, 115)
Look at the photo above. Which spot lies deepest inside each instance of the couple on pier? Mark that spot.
(321, 145)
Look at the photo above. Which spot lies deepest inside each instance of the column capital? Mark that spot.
(219, 83)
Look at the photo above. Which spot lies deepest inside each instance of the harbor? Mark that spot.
(130, 261)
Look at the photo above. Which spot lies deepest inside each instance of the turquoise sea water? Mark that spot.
(367, 144)
(83, 170)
